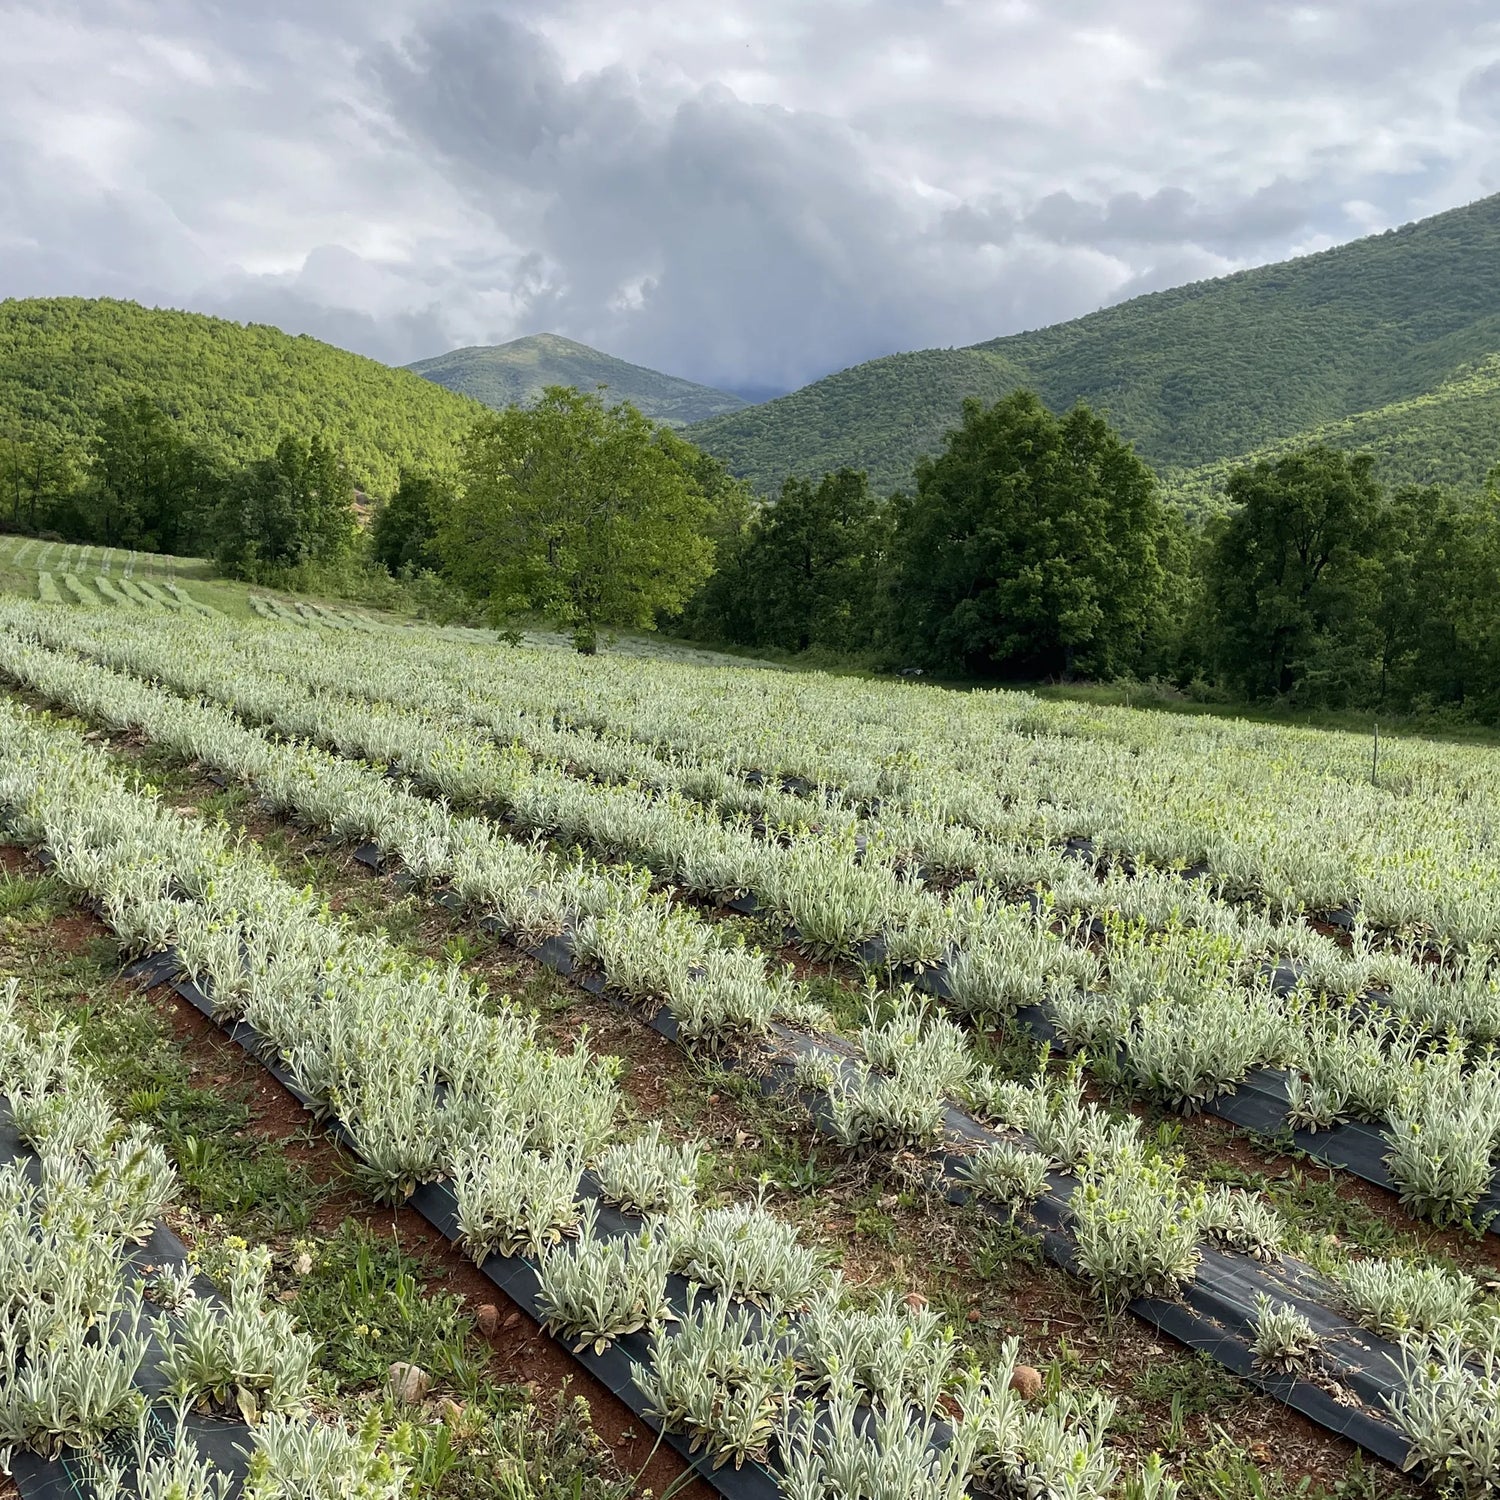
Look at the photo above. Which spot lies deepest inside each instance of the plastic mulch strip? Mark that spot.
(1217, 1310)
(515, 1275)
(222, 1440)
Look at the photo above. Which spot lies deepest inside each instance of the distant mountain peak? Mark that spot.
(516, 372)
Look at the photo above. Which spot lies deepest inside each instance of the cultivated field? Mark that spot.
(880, 1092)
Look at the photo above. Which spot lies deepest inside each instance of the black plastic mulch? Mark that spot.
(221, 1440)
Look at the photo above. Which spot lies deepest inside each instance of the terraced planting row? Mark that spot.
(647, 951)
(1185, 1002)
(122, 593)
(305, 613)
(89, 559)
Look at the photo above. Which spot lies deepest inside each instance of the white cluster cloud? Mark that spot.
(749, 194)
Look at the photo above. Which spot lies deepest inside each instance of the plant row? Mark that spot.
(1182, 1011)
(1135, 1224)
(430, 1081)
(1289, 816)
(889, 894)
(86, 1328)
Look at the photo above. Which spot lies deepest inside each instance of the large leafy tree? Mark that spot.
(294, 506)
(590, 515)
(818, 561)
(39, 487)
(1033, 546)
(1293, 577)
(1437, 605)
(403, 535)
(807, 569)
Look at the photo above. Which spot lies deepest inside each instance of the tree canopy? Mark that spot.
(294, 506)
(806, 570)
(403, 533)
(1031, 547)
(1291, 573)
(233, 389)
(588, 514)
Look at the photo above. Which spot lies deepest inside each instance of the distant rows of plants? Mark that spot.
(1032, 546)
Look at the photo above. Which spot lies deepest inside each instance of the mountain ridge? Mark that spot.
(1191, 374)
(516, 372)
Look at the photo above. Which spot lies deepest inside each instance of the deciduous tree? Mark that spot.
(587, 514)
(1292, 577)
(295, 506)
(1032, 546)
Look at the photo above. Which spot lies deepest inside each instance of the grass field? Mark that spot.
(930, 1093)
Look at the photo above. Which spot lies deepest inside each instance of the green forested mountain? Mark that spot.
(1450, 435)
(515, 374)
(1384, 326)
(234, 388)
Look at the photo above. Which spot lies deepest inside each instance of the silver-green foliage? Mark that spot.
(1395, 1297)
(648, 1175)
(245, 1355)
(1009, 1173)
(1136, 1227)
(1242, 1221)
(722, 1378)
(1282, 1338)
(1448, 1406)
(600, 1289)
(744, 1252)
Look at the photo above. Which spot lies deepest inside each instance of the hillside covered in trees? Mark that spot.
(233, 390)
(1449, 436)
(516, 374)
(1378, 343)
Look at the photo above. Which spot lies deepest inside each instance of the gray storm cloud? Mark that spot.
(748, 194)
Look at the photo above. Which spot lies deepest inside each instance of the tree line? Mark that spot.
(1032, 546)
(1036, 546)
(141, 483)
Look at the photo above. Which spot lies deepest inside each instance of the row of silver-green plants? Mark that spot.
(929, 825)
(1177, 1021)
(430, 1081)
(1145, 786)
(837, 888)
(1185, 1003)
(79, 1326)
(911, 1062)
(835, 898)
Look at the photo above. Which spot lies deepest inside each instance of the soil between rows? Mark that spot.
(884, 1236)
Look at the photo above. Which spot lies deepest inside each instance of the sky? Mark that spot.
(749, 193)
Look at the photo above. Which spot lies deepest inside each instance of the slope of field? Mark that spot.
(1191, 375)
(276, 730)
(515, 373)
(235, 387)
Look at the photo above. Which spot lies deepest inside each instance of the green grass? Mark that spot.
(225, 1168)
(1168, 700)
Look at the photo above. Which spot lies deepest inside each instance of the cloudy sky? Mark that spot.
(749, 192)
